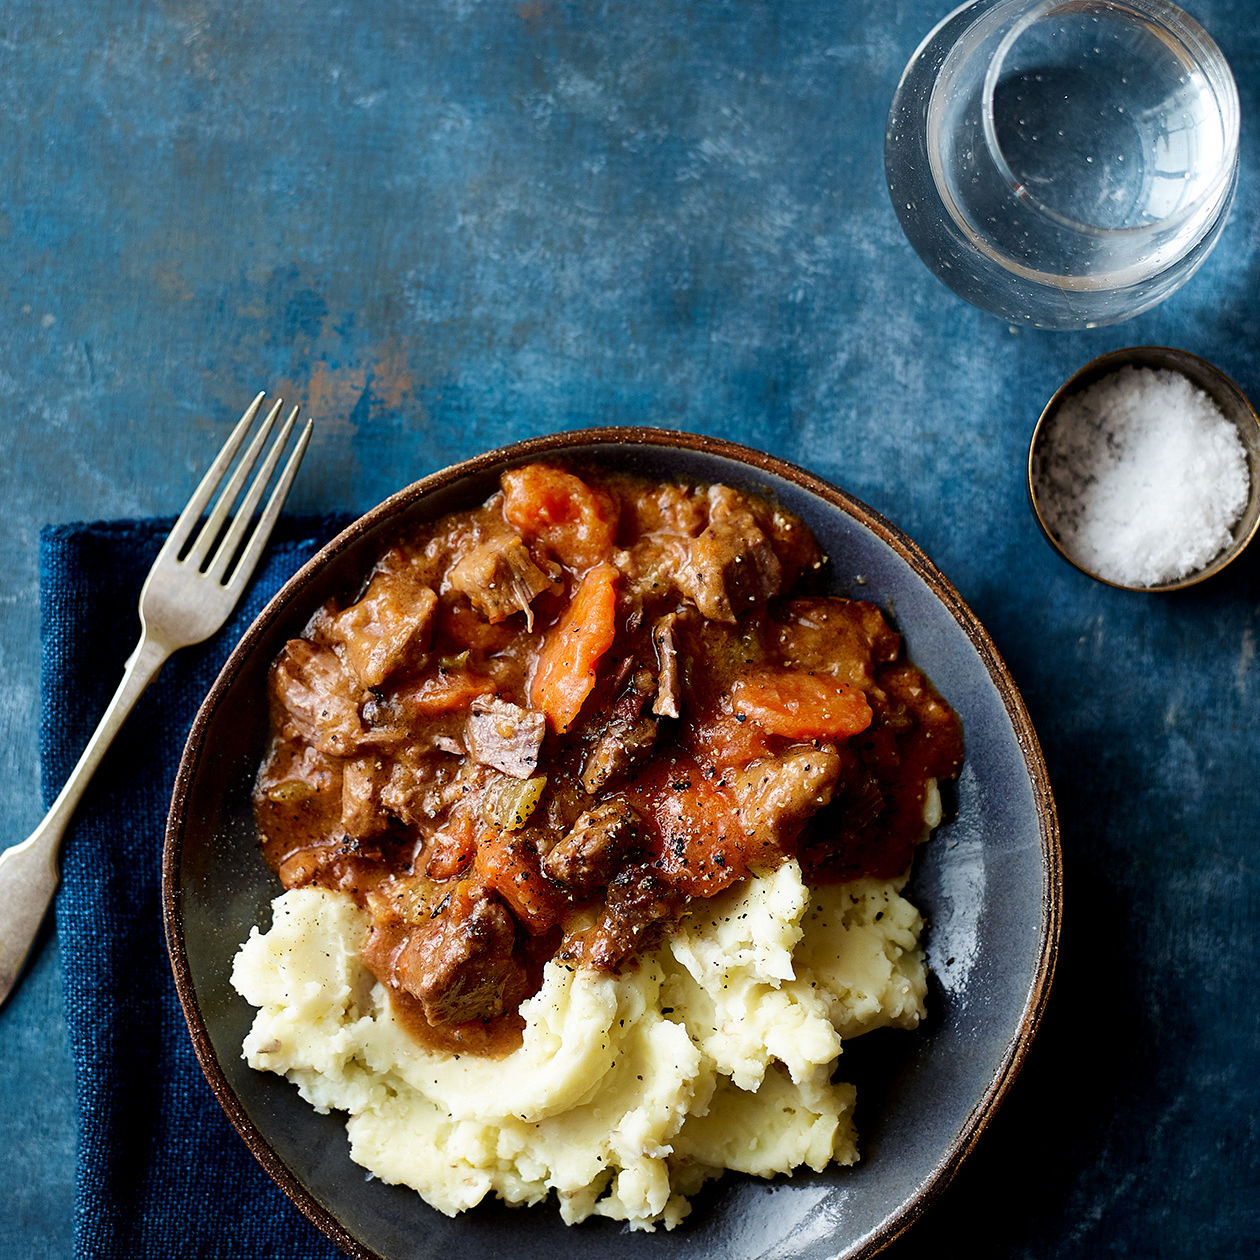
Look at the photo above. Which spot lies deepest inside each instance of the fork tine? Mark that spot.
(214, 522)
(258, 540)
(218, 565)
(214, 474)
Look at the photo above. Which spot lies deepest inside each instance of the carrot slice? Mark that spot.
(509, 864)
(698, 843)
(576, 521)
(799, 705)
(565, 672)
(464, 626)
(444, 692)
(722, 739)
(452, 848)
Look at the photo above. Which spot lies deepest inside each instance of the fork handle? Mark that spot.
(28, 871)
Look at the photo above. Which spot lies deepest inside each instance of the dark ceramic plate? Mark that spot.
(988, 884)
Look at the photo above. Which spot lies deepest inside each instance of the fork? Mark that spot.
(194, 584)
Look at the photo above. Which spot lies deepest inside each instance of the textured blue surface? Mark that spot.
(448, 225)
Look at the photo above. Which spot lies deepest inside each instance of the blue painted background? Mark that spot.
(445, 225)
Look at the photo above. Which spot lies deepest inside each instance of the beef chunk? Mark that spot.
(388, 629)
(912, 702)
(625, 739)
(793, 542)
(422, 783)
(504, 735)
(616, 752)
(297, 799)
(589, 856)
(459, 964)
(670, 508)
(361, 782)
(638, 899)
(844, 638)
(668, 685)
(776, 795)
(651, 568)
(732, 566)
(500, 578)
(318, 697)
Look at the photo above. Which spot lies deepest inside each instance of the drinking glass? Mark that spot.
(1064, 163)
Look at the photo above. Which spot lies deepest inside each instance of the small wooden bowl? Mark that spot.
(1217, 386)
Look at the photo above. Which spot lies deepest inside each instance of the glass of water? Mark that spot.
(1064, 163)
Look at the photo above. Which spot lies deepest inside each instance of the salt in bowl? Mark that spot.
(1043, 486)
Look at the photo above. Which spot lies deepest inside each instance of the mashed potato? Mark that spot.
(629, 1091)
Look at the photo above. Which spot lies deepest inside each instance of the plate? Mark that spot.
(989, 885)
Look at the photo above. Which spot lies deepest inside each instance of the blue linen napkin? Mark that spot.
(161, 1173)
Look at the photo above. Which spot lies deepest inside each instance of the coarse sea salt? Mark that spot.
(1140, 477)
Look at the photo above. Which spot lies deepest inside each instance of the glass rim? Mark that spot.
(1191, 39)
